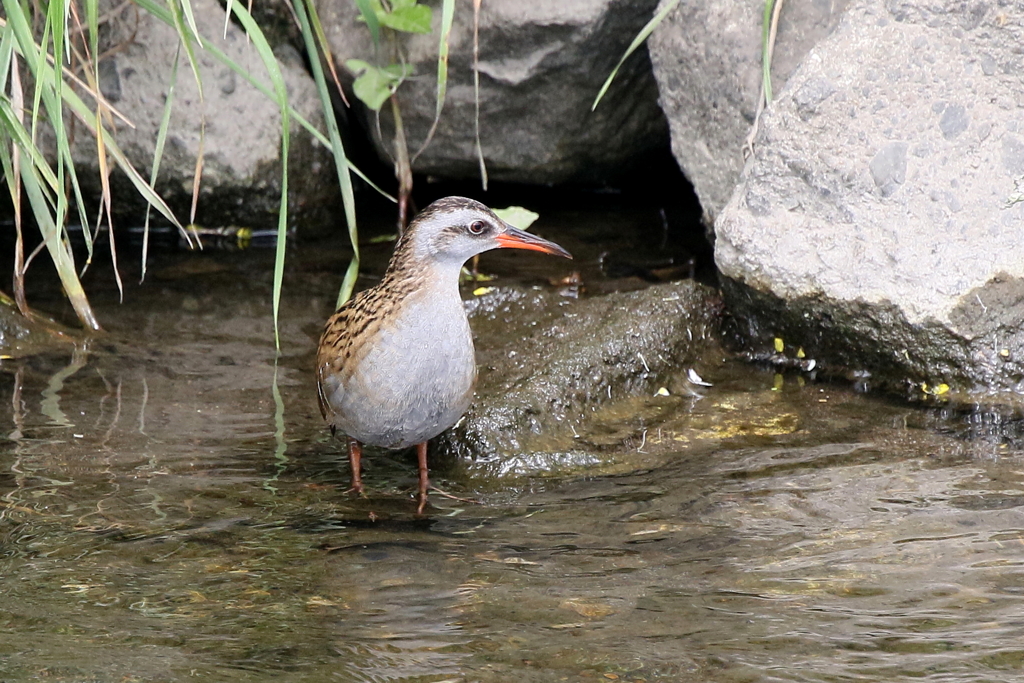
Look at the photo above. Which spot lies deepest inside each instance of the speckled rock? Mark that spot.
(707, 59)
(541, 65)
(547, 363)
(873, 227)
(241, 175)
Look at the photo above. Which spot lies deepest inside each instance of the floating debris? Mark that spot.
(694, 378)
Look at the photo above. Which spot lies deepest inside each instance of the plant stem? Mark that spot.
(403, 168)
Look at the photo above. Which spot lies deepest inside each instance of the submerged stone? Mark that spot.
(548, 364)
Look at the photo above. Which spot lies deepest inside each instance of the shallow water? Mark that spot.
(169, 511)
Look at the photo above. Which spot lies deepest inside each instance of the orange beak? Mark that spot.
(514, 238)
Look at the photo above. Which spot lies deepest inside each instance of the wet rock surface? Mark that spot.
(241, 141)
(548, 363)
(541, 66)
(707, 60)
(873, 225)
(21, 336)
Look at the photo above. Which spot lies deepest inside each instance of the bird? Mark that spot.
(396, 365)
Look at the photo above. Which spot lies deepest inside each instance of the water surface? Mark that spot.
(171, 507)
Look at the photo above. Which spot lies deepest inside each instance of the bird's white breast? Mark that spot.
(416, 378)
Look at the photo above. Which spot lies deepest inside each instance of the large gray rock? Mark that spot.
(547, 363)
(541, 65)
(873, 225)
(241, 180)
(707, 59)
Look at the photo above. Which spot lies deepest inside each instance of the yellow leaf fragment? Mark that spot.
(590, 610)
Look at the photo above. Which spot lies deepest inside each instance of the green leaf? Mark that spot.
(357, 66)
(375, 85)
(517, 216)
(410, 19)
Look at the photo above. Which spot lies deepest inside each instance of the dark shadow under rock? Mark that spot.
(547, 363)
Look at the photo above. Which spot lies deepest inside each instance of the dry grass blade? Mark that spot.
(91, 60)
(403, 166)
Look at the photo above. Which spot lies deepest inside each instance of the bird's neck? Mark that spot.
(411, 262)
(411, 272)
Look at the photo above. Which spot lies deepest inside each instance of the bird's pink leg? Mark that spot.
(421, 456)
(355, 454)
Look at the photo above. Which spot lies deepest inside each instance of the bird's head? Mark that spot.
(452, 230)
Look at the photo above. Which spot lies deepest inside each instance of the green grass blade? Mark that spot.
(6, 54)
(7, 161)
(325, 49)
(188, 40)
(645, 32)
(476, 94)
(163, 14)
(148, 193)
(766, 59)
(447, 17)
(13, 126)
(370, 17)
(158, 153)
(186, 9)
(265, 52)
(189, 35)
(92, 20)
(58, 17)
(348, 284)
(340, 160)
(60, 252)
(40, 91)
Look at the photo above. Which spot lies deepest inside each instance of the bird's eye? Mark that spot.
(477, 227)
